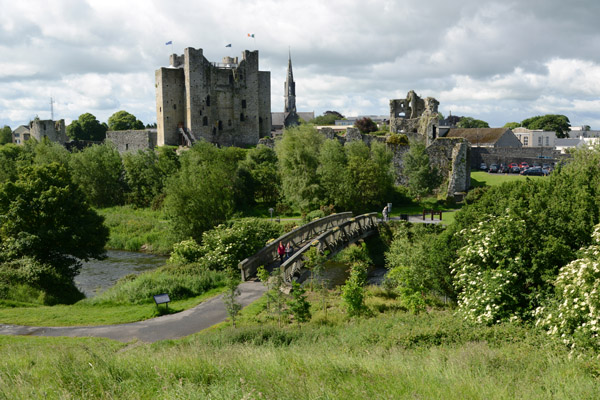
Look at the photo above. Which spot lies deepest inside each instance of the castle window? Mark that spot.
(208, 100)
(205, 121)
(260, 120)
(214, 131)
(231, 78)
(242, 117)
(243, 103)
(174, 106)
(220, 125)
(159, 109)
(228, 122)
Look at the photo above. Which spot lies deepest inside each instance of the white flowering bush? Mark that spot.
(489, 272)
(574, 314)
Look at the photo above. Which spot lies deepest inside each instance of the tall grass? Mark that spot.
(395, 355)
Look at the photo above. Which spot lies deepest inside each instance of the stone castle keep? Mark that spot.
(226, 103)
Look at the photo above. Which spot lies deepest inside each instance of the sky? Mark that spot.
(499, 61)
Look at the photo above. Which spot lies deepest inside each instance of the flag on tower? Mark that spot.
(251, 35)
(169, 42)
(229, 45)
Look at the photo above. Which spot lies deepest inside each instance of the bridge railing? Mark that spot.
(332, 240)
(268, 254)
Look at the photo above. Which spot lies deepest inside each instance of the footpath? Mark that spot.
(174, 326)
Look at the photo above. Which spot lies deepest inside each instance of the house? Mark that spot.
(21, 134)
(484, 137)
(535, 137)
(564, 144)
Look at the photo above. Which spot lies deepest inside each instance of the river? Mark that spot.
(98, 275)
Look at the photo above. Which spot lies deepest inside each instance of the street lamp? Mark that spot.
(271, 212)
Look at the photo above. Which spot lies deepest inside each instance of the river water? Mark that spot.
(98, 275)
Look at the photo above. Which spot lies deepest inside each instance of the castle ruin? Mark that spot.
(228, 103)
(415, 117)
(54, 131)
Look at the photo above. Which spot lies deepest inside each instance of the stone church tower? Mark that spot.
(290, 115)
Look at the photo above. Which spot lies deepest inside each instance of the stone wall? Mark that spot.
(451, 157)
(132, 141)
(55, 131)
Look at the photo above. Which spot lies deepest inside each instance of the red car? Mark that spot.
(514, 168)
(523, 166)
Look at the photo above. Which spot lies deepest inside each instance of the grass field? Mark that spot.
(390, 354)
(481, 178)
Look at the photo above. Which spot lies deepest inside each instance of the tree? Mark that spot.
(230, 296)
(261, 164)
(365, 125)
(332, 171)
(299, 306)
(421, 178)
(146, 174)
(549, 122)
(45, 218)
(87, 127)
(328, 118)
(98, 170)
(512, 125)
(200, 195)
(123, 121)
(5, 135)
(468, 122)
(298, 155)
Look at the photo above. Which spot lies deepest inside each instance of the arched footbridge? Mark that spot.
(329, 235)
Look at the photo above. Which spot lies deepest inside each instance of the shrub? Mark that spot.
(399, 139)
(574, 314)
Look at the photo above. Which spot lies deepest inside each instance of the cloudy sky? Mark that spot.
(499, 61)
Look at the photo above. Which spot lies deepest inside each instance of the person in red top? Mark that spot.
(281, 252)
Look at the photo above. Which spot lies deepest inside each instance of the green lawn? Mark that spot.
(85, 314)
(481, 178)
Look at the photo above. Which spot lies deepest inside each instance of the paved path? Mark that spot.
(173, 326)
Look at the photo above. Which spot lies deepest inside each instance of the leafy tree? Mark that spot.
(230, 296)
(86, 127)
(123, 121)
(9, 157)
(5, 135)
(353, 291)
(365, 125)
(512, 125)
(422, 179)
(261, 164)
(46, 152)
(146, 173)
(298, 155)
(200, 195)
(46, 218)
(549, 122)
(333, 173)
(299, 306)
(468, 122)
(328, 118)
(98, 170)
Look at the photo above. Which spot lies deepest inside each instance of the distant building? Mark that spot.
(226, 103)
(485, 137)
(350, 121)
(565, 144)
(535, 137)
(290, 116)
(20, 135)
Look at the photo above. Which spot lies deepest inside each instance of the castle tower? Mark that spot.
(290, 116)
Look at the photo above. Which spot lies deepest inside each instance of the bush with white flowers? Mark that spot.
(574, 314)
(490, 273)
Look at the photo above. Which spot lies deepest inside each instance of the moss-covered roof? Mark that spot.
(478, 135)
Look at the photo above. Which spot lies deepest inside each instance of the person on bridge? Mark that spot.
(281, 252)
(288, 251)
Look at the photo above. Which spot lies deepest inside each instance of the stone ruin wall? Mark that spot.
(132, 140)
(55, 131)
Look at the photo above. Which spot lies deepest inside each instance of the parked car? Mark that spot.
(493, 168)
(523, 166)
(483, 166)
(537, 171)
(514, 168)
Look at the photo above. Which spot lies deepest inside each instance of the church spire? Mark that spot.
(290, 88)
